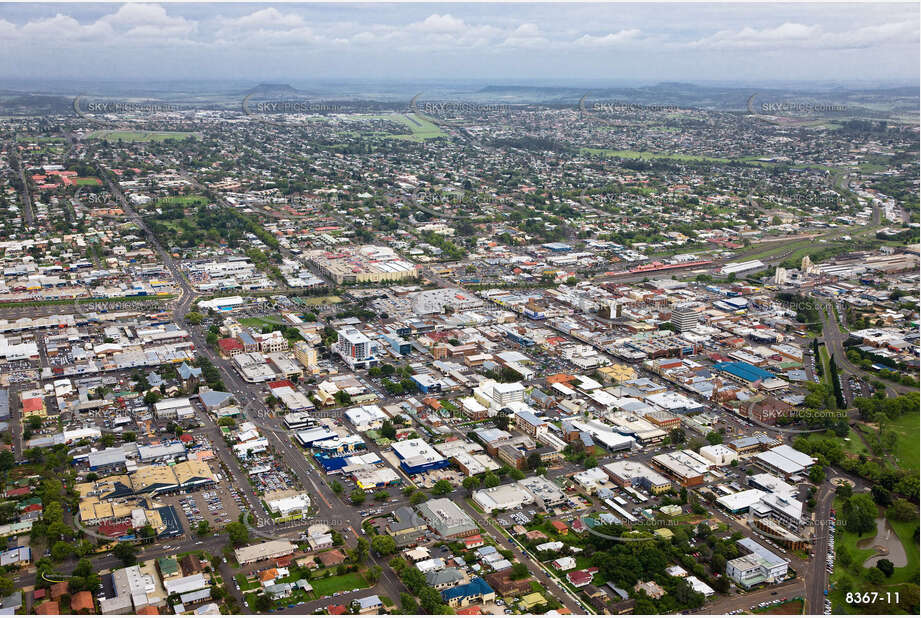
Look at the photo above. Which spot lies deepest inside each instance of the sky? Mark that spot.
(272, 42)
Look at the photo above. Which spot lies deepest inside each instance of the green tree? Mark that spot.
(262, 603)
(875, 576)
(886, 567)
(7, 461)
(519, 570)
(61, 550)
(860, 513)
(383, 544)
(238, 533)
(361, 549)
(388, 430)
(471, 484)
(125, 552)
(817, 474)
(442, 487)
(6, 586)
(358, 496)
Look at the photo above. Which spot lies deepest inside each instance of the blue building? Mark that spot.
(477, 591)
(743, 372)
(397, 343)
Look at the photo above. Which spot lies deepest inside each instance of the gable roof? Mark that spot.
(476, 587)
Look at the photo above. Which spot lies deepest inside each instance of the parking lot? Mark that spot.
(218, 506)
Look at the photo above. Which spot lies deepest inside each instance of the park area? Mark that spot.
(857, 554)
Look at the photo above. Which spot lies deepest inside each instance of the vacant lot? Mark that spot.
(337, 583)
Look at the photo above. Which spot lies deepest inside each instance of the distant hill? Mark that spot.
(860, 101)
(275, 90)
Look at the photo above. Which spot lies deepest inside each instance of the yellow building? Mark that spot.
(618, 373)
(532, 600)
(94, 512)
(306, 354)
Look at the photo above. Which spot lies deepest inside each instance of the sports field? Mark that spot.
(141, 136)
(422, 128)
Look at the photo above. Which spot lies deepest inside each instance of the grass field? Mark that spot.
(316, 301)
(185, 200)
(141, 136)
(780, 247)
(907, 448)
(337, 583)
(421, 127)
(89, 180)
(269, 320)
(244, 583)
(646, 156)
(908, 573)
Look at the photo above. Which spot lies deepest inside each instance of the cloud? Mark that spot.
(800, 36)
(609, 40)
(532, 40)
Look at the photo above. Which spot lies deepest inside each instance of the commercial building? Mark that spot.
(687, 467)
(757, 567)
(745, 373)
(355, 348)
(264, 551)
(684, 317)
(532, 490)
(634, 473)
(362, 264)
(530, 424)
(416, 456)
(784, 460)
(446, 519)
(177, 408)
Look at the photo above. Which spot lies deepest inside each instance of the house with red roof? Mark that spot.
(474, 541)
(559, 526)
(230, 346)
(18, 492)
(33, 406)
(582, 577)
(82, 602)
(336, 610)
(48, 608)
